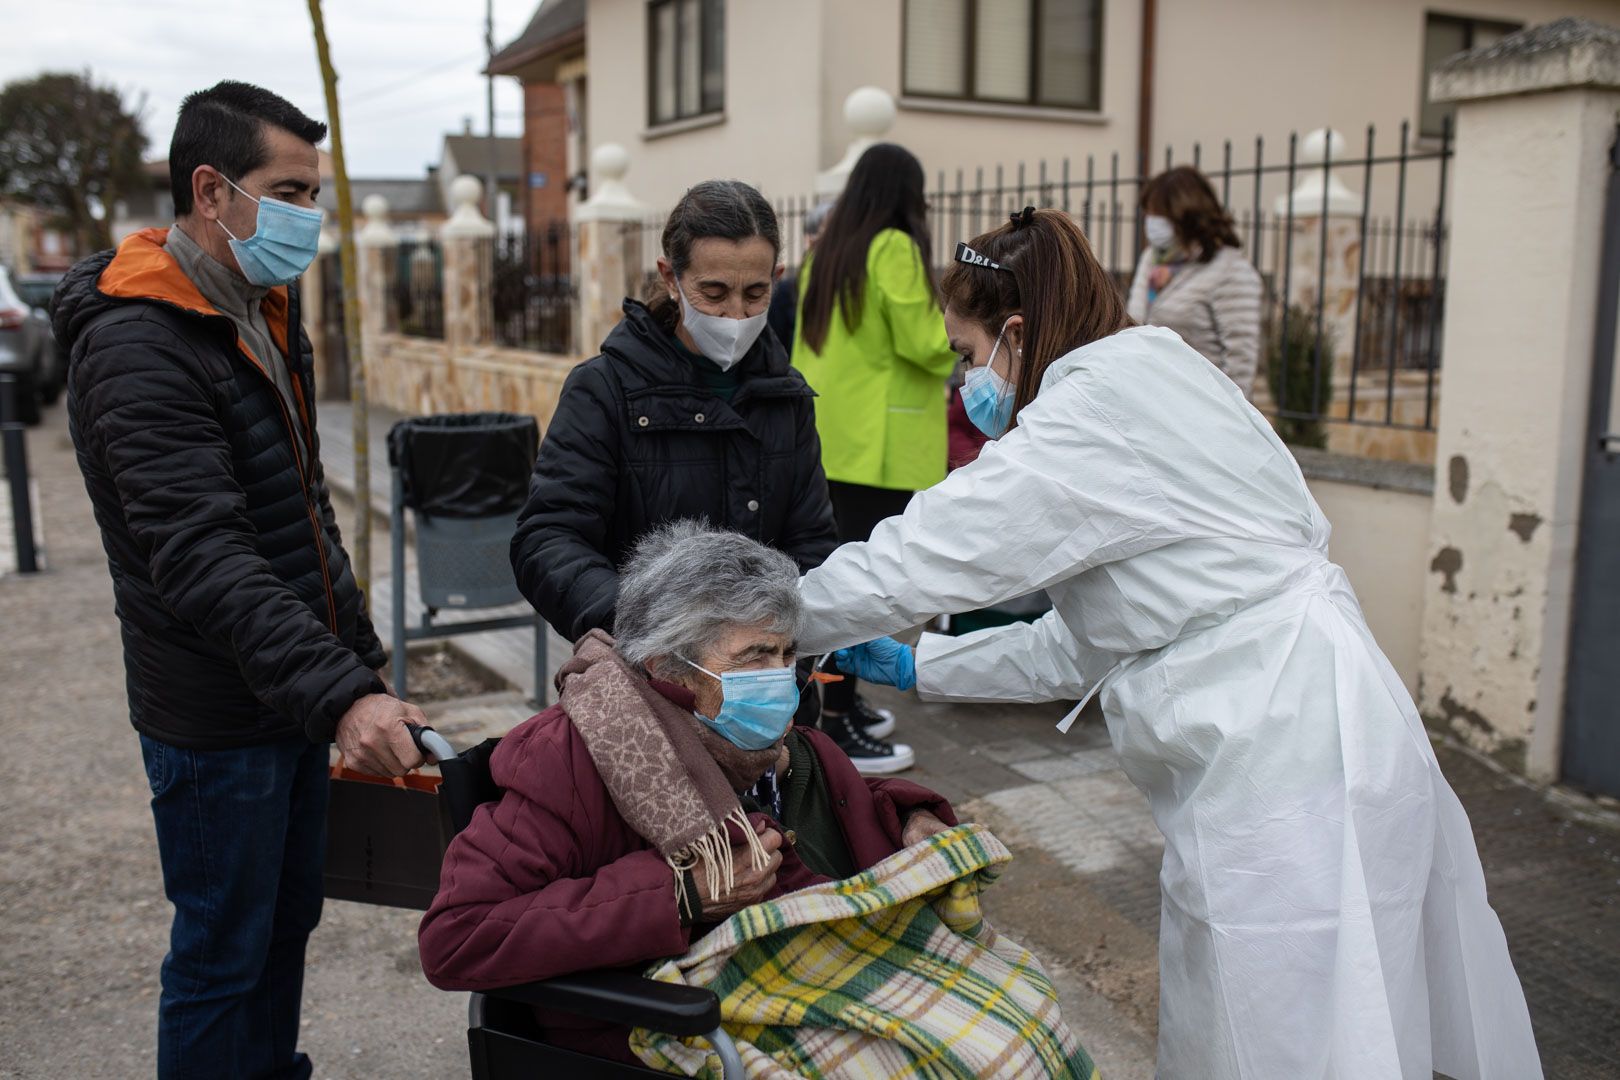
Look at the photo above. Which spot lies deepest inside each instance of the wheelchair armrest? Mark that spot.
(622, 997)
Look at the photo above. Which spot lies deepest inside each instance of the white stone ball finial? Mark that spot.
(869, 112)
(611, 163)
(1312, 150)
(376, 232)
(465, 191)
(1308, 196)
(465, 220)
(610, 199)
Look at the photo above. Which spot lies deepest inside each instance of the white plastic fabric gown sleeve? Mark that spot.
(1324, 906)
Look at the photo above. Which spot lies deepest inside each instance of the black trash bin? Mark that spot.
(464, 477)
(465, 465)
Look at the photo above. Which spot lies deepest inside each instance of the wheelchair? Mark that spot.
(503, 1040)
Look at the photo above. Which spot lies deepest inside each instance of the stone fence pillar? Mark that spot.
(376, 246)
(466, 242)
(1535, 119)
(607, 249)
(1326, 243)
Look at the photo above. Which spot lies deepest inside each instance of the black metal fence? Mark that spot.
(534, 289)
(416, 289)
(1389, 353)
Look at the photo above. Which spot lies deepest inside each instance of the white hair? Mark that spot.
(685, 585)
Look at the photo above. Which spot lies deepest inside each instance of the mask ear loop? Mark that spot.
(221, 221)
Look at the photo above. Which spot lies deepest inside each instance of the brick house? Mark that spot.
(548, 59)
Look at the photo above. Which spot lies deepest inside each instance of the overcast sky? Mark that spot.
(408, 70)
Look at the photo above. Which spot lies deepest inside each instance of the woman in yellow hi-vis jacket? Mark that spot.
(871, 343)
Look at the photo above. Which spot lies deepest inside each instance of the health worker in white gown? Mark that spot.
(1324, 910)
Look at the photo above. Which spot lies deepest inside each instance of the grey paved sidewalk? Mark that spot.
(1083, 890)
(956, 760)
(86, 921)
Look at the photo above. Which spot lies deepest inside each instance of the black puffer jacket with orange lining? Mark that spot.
(242, 621)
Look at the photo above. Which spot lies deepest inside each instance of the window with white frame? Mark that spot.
(1005, 52)
(1444, 36)
(686, 59)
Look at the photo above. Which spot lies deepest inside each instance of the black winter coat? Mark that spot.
(241, 619)
(637, 441)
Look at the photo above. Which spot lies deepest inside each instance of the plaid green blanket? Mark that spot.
(888, 974)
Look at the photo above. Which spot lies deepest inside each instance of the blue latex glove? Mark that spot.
(882, 660)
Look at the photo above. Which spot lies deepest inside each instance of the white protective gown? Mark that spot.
(1324, 911)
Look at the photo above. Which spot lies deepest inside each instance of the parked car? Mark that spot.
(28, 351)
(36, 291)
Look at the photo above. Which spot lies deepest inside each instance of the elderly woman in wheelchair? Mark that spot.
(665, 791)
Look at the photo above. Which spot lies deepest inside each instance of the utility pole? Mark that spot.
(490, 190)
(360, 545)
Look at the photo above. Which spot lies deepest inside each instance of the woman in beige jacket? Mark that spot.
(1193, 278)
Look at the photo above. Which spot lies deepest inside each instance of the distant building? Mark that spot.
(548, 59)
(701, 88)
(29, 243)
(415, 205)
(476, 154)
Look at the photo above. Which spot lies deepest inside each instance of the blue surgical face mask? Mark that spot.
(988, 397)
(283, 244)
(756, 707)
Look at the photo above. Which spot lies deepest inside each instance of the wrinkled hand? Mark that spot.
(753, 886)
(919, 827)
(373, 737)
(881, 660)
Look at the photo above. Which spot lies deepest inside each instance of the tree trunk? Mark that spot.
(360, 545)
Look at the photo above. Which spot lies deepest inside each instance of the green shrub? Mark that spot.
(1289, 373)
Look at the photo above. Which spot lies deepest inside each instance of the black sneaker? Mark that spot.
(877, 723)
(872, 757)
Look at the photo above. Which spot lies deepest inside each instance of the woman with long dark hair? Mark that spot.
(1192, 277)
(1324, 909)
(871, 342)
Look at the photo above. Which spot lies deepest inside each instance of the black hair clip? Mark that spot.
(965, 254)
(1021, 218)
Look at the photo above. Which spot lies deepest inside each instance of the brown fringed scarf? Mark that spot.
(673, 780)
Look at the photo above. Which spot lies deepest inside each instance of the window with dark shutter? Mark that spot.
(1005, 52)
(686, 59)
(1444, 36)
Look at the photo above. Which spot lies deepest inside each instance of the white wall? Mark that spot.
(1381, 537)
(1511, 433)
(1232, 70)
(768, 136)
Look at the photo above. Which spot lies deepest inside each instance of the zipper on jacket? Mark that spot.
(303, 485)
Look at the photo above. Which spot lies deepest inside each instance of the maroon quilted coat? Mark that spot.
(550, 880)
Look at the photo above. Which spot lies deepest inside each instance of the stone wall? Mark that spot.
(420, 376)
(1372, 438)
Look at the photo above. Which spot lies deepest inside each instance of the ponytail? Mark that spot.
(1049, 275)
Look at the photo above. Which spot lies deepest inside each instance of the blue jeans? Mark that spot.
(242, 837)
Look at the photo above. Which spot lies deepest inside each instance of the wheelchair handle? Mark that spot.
(431, 743)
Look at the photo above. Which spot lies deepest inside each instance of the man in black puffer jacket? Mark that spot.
(246, 642)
